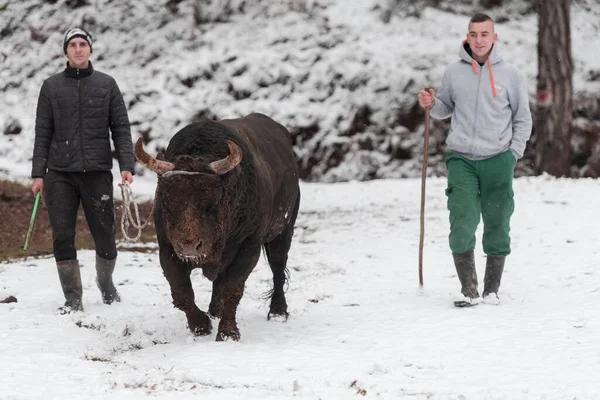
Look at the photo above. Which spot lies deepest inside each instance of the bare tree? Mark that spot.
(554, 88)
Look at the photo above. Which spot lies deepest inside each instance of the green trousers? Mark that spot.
(480, 188)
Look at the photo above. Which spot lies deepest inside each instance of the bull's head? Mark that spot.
(190, 195)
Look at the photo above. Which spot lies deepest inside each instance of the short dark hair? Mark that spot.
(481, 17)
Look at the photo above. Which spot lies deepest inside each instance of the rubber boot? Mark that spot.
(465, 269)
(70, 280)
(493, 274)
(104, 271)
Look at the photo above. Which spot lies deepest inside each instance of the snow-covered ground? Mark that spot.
(312, 71)
(359, 324)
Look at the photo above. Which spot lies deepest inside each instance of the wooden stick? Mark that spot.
(423, 179)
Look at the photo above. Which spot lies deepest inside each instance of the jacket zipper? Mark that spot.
(475, 115)
(81, 123)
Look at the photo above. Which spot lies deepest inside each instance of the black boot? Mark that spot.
(465, 269)
(70, 280)
(104, 271)
(493, 274)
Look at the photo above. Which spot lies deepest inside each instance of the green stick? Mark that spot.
(32, 220)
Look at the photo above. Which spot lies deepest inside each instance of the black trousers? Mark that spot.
(64, 191)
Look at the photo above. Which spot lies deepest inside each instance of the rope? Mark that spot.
(127, 218)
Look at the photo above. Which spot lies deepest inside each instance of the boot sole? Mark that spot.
(491, 301)
(464, 304)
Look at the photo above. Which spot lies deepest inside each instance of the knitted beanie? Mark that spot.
(77, 32)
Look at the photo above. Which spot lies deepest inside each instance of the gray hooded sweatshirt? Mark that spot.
(488, 104)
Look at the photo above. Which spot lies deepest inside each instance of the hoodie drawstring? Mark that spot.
(489, 64)
(474, 65)
(491, 77)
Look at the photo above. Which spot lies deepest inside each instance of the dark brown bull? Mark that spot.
(225, 189)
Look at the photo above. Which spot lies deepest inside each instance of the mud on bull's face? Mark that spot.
(192, 216)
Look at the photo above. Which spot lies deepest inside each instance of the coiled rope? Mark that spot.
(127, 217)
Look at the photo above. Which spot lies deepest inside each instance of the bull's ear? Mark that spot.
(160, 156)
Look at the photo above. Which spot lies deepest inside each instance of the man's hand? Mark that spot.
(426, 98)
(126, 177)
(38, 185)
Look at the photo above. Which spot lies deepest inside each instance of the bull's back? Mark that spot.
(270, 143)
(276, 168)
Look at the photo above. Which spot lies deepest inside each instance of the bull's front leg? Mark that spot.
(215, 309)
(231, 287)
(178, 276)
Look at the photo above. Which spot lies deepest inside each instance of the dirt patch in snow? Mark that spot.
(16, 206)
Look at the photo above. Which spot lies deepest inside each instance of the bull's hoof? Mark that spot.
(200, 325)
(201, 331)
(278, 309)
(233, 334)
(277, 316)
(223, 336)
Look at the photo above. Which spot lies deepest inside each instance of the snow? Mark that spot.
(306, 68)
(359, 323)
(358, 319)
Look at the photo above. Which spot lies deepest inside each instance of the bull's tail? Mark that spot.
(269, 293)
(280, 278)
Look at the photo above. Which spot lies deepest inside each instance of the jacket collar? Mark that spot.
(79, 73)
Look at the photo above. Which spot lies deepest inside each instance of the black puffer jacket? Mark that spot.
(75, 110)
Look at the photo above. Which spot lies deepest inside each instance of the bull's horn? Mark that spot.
(228, 163)
(149, 162)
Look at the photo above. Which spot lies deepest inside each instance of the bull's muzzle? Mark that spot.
(189, 249)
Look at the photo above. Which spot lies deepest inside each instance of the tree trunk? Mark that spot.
(554, 88)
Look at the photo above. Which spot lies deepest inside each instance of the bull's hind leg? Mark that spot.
(178, 276)
(277, 255)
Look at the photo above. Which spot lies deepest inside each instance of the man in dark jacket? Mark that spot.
(72, 159)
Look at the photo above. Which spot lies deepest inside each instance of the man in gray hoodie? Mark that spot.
(491, 123)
